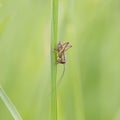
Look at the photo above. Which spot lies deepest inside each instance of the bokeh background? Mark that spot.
(90, 89)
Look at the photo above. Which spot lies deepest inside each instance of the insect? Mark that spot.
(61, 49)
(61, 56)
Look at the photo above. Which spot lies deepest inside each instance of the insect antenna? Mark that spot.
(61, 77)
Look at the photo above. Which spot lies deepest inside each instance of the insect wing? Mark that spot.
(68, 47)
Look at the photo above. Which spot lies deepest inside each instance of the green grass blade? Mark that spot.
(9, 105)
(54, 36)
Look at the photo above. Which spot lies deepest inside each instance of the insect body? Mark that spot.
(61, 57)
(61, 49)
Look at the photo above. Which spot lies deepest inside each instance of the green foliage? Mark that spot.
(90, 87)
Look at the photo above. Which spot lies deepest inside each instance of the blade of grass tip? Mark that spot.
(9, 105)
(54, 35)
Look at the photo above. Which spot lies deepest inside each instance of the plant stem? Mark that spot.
(9, 105)
(54, 36)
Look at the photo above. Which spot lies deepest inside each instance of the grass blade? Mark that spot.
(54, 36)
(9, 105)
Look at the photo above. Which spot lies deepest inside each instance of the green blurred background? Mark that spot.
(90, 89)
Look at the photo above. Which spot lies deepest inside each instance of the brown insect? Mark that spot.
(61, 57)
(61, 49)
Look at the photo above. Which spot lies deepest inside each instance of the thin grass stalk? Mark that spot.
(10, 106)
(54, 36)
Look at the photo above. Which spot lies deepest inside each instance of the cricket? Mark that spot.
(61, 56)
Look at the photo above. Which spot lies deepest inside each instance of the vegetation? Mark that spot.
(89, 89)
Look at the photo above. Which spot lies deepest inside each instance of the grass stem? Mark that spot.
(54, 36)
